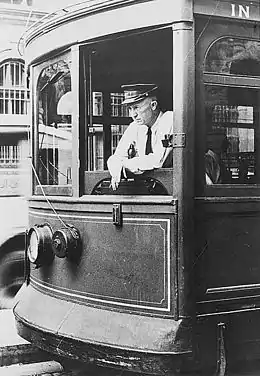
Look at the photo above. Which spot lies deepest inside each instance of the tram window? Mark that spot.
(232, 112)
(54, 124)
(231, 135)
(140, 58)
(234, 56)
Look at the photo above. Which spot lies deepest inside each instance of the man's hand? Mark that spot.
(114, 184)
(115, 179)
(115, 166)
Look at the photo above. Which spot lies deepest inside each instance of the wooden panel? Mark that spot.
(163, 175)
(128, 266)
(53, 190)
(227, 256)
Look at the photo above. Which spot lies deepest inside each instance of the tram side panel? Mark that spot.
(227, 275)
(119, 291)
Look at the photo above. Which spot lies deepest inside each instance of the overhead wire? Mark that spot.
(40, 184)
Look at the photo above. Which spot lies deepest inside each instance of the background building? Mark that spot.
(15, 17)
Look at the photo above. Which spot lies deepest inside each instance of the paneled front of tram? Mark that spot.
(101, 263)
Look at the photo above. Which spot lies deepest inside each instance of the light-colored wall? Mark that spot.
(14, 21)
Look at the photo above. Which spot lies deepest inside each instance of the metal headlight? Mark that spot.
(39, 249)
(66, 242)
(33, 246)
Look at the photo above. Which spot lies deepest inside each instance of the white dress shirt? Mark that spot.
(136, 134)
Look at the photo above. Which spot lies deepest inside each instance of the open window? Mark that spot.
(232, 102)
(54, 129)
(139, 58)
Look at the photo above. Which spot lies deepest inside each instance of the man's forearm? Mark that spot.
(140, 164)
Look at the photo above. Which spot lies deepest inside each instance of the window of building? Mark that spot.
(14, 97)
(232, 103)
(10, 155)
(96, 139)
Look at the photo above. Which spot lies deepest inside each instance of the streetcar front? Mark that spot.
(106, 269)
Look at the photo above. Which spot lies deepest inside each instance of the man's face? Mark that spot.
(143, 112)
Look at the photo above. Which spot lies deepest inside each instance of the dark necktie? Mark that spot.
(148, 147)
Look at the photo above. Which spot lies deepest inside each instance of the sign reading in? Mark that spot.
(241, 9)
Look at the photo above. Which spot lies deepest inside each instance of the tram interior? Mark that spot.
(107, 67)
(232, 111)
(227, 233)
(54, 124)
(104, 66)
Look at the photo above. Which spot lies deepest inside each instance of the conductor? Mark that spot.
(142, 146)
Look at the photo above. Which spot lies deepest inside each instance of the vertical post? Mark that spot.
(107, 128)
(75, 121)
(183, 181)
(31, 134)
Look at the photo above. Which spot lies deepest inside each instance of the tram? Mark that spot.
(161, 276)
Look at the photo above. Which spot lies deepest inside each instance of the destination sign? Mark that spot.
(247, 10)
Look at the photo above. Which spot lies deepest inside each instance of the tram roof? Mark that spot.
(77, 23)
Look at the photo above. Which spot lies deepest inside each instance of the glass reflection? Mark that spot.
(54, 124)
(234, 56)
(230, 155)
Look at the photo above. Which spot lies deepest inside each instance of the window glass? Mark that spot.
(14, 97)
(234, 56)
(231, 121)
(54, 108)
(10, 155)
(232, 112)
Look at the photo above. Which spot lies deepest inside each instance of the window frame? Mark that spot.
(215, 31)
(90, 178)
(235, 81)
(71, 56)
(14, 94)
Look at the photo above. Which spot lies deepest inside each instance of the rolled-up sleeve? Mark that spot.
(137, 134)
(160, 153)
